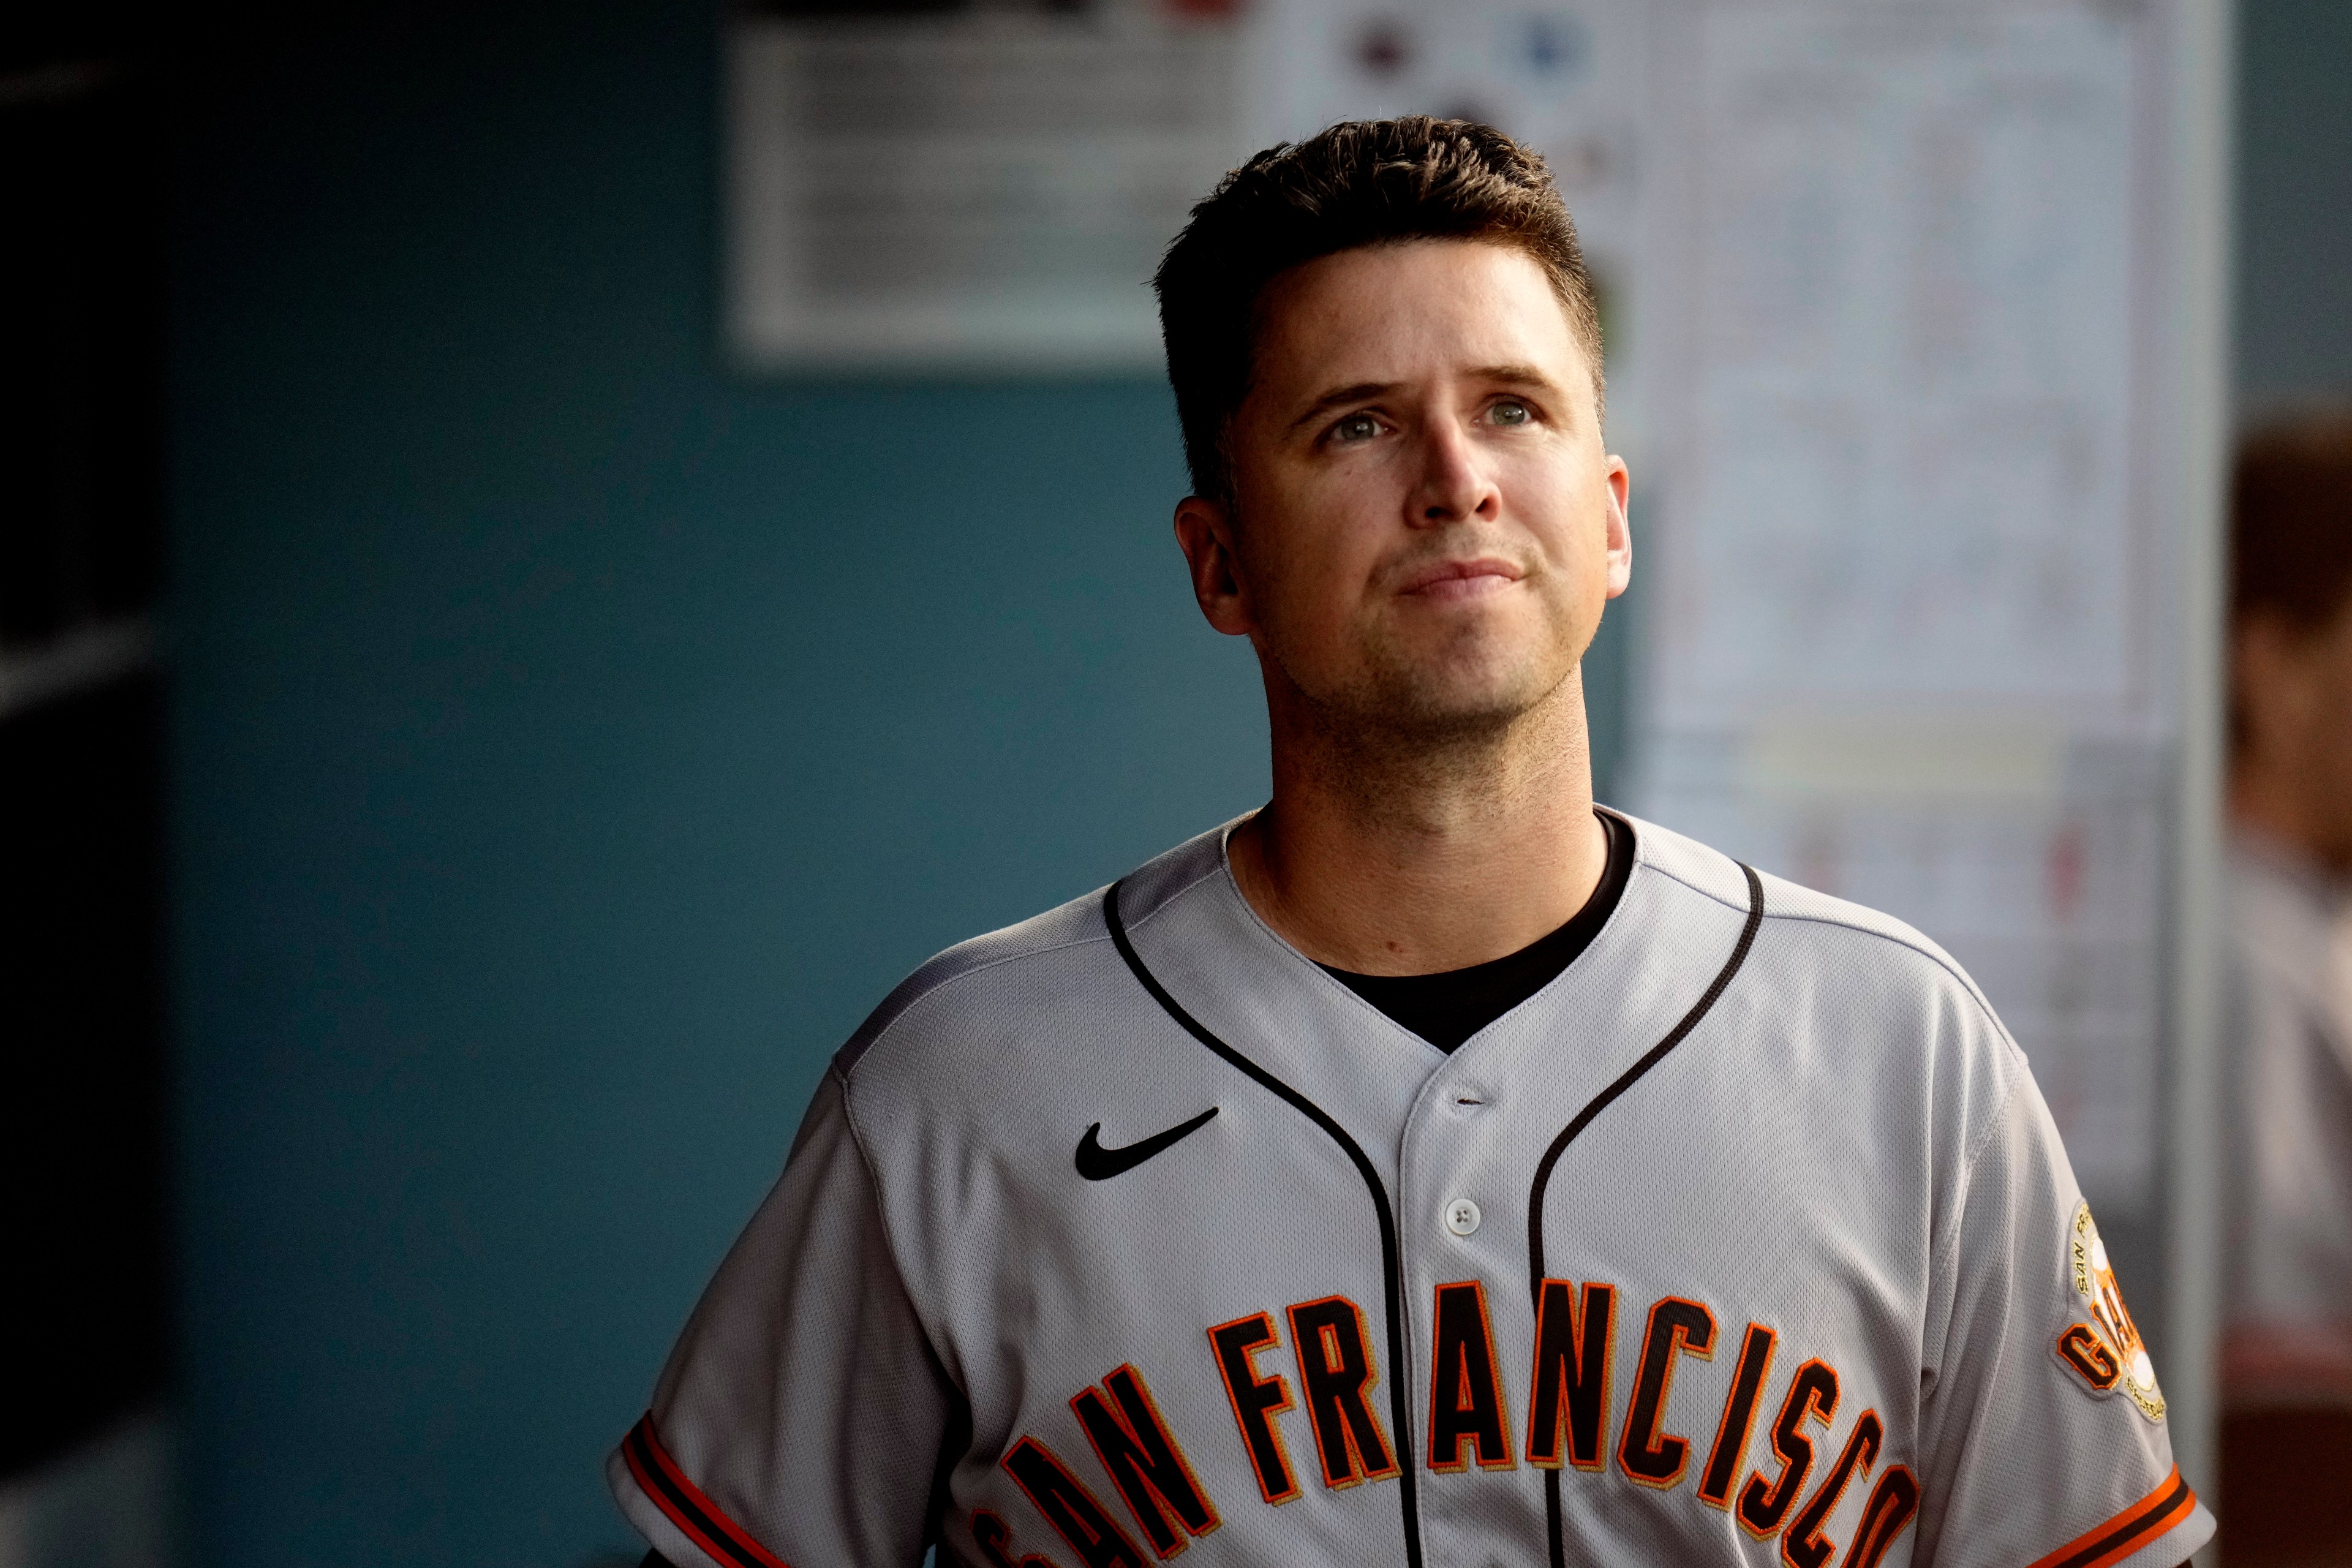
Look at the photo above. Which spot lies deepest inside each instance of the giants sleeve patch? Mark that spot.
(2106, 1352)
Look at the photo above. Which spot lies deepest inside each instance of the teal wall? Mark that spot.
(2294, 202)
(572, 743)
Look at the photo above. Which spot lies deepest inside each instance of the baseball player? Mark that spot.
(1430, 1168)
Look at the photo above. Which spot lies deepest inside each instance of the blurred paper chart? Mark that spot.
(1903, 389)
(1910, 528)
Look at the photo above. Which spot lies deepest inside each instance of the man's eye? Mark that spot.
(1511, 412)
(1356, 427)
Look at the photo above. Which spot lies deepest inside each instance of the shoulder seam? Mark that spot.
(882, 1211)
(2012, 1055)
(1984, 1136)
(1941, 961)
(940, 986)
(1680, 881)
(1170, 898)
(1942, 1259)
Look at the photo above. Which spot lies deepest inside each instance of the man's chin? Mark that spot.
(1456, 704)
(1435, 695)
(1489, 675)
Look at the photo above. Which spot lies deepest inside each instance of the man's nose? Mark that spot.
(1453, 484)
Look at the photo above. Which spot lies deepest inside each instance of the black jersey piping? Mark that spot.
(1594, 1107)
(1392, 1272)
(2158, 1512)
(718, 1534)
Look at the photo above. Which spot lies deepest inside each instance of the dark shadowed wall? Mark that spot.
(572, 743)
(2294, 201)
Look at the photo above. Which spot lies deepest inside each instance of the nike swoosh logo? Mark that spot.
(1097, 1163)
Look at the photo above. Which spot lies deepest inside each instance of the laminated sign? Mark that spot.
(967, 189)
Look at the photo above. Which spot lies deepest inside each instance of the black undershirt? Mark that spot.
(1447, 1009)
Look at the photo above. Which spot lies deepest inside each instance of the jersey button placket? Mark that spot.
(1445, 1159)
(1461, 1214)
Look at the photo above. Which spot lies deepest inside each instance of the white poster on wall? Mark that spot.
(1905, 386)
(967, 189)
(1907, 640)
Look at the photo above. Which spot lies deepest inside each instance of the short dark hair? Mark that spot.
(2291, 521)
(1361, 183)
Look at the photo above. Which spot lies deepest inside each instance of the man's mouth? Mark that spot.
(1467, 579)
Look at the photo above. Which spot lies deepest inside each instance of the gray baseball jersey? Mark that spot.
(1129, 1231)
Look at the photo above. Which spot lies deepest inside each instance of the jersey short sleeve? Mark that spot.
(801, 1416)
(2044, 1433)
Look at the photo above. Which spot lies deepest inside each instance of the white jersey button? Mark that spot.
(1462, 1216)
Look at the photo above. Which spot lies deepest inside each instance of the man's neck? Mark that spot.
(1386, 856)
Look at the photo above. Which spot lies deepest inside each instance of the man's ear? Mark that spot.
(1621, 532)
(1204, 530)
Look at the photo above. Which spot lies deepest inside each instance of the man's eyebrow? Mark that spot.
(1513, 376)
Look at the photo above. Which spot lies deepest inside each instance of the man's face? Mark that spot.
(1425, 524)
(2293, 690)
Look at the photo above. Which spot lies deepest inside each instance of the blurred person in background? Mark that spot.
(2287, 1343)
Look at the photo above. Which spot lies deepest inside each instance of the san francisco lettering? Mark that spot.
(1299, 1382)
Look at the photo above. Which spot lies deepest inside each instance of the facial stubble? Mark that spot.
(1463, 712)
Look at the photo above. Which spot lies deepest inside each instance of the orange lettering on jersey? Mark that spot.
(1893, 1502)
(1647, 1453)
(995, 1539)
(1738, 1423)
(2088, 1356)
(2102, 1299)
(1145, 1463)
(1073, 1510)
(1465, 1386)
(1803, 1545)
(1573, 1352)
(1335, 1374)
(1256, 1400)
(1812, 1400)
